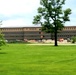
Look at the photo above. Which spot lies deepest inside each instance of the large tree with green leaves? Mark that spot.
(51, 16)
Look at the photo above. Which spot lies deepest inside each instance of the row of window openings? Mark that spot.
(42, 36)
(29, 36)
(70, 28)
(32, 28)
(67, 32)
(62, 35)
(37, 32)
(22, 36)
(11, 29)
(65, 35)
(26, 34)
(23, 33)
(21, 29)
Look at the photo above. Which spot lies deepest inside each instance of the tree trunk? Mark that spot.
(55, 35)
(56, 38)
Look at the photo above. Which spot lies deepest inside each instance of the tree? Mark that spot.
(2, 40)
(73, 39)
(52, 17)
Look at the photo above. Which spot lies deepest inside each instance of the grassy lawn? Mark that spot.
(21, 59)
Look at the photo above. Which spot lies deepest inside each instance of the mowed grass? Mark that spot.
(22, 59)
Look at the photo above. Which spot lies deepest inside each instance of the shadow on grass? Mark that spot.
(3, 53)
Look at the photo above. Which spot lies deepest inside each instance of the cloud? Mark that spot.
(15, 23)
(17, 12)
(20, 22)
(10, 7)
(71, 4)
(21, 12)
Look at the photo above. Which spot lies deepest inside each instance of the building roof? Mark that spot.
(34, 27)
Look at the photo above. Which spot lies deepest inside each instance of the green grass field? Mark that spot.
(22, 59)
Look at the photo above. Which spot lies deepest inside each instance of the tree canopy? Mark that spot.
(51, 16)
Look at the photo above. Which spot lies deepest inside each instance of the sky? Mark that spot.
(20, 13)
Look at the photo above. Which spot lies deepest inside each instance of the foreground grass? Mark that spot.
(21, 59)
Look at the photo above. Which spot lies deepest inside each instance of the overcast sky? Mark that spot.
(20, 12)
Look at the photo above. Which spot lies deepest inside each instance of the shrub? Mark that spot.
(73, 39)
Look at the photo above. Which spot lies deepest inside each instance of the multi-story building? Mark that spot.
(35, 33)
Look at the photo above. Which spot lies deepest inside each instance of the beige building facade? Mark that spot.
(35, 33)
